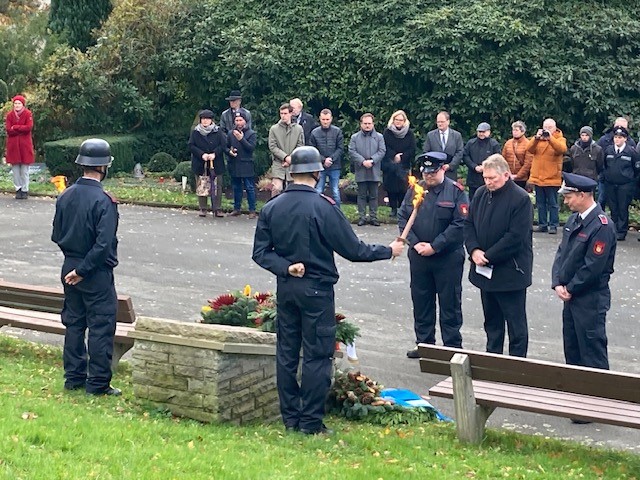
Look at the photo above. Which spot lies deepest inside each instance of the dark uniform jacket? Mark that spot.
(85, 226)
(300, 225)
(215, 142)
(330, 143)
(584, 261)
(395, 175)
(440, 217)
(475, 152)
(242, 164)
(500, 224)
(621, 168)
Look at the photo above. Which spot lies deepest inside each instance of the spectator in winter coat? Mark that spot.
(547, 147)
(585, 157)
(476, 151)
(242, 142)
(19, 152)
(304, 119)
(400, 144)
(329, 141)
(284, 137)
(516, 155)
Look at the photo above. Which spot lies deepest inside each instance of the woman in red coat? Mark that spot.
(19, 123)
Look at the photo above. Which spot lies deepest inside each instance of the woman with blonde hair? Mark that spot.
(396, 164)
(516, 155)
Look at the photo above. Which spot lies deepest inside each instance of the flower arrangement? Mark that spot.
(242, 309)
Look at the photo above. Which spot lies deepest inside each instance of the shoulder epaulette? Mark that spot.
(603, 219)
(459, 185)
(328, 199)
(111, 196)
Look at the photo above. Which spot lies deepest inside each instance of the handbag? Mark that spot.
(203, 186)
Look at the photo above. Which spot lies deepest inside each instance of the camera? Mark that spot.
(545, 134)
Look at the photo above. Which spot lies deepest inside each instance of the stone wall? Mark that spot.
(209, 373)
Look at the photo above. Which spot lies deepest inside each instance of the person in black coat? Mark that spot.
(242, 142)
(581, 272)
(476, 151)
(302, 118)
(297, 234)
(498, 237)
(207, 144)
(398, 158)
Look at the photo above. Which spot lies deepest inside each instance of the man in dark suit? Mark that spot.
(447, 140)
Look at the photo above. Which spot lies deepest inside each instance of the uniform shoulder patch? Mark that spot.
(111, 196)
(464, 209)
(603, 219)
(328, 199)
(598, 247)
(459, 185)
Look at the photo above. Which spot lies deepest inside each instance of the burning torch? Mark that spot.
(60, 181)
(418, 196)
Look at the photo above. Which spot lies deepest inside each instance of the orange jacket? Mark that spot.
(519, 160)
(546, 166)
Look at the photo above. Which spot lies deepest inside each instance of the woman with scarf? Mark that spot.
(396, 164)
(207, 144)
(19, 154)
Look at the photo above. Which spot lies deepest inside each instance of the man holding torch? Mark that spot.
(431, 220)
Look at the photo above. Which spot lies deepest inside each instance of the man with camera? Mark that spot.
(547, 147)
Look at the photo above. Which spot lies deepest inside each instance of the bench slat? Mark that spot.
(51, 300)
(534, 373)
(583, 407)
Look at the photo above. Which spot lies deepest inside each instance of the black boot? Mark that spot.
(394, 212)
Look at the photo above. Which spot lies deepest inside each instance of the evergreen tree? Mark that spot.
(76, 19)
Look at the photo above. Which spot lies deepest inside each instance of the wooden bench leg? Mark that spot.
(470, 418)
(119, 349)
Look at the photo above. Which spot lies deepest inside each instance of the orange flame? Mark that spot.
(418, 191)
(60, 181)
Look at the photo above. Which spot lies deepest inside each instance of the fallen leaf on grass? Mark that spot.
(29, 416)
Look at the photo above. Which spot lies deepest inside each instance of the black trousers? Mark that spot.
(306, 319)
(583, 329)
(90, 305)
(508, 308)
(619, 198)
(441, 276)
(395, 198)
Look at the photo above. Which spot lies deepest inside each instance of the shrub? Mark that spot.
(174, 142)
(183, 169)
(60, 155)
(162, 162)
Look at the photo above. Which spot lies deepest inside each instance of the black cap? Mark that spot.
(240, 113)
(206, 114)
(620, 132)
(234, 95)
(432, 161)
(572, 183)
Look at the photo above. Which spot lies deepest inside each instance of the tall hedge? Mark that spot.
(483, 60)
(60, 155)
(76, 20)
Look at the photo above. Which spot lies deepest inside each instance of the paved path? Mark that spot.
(171, 261)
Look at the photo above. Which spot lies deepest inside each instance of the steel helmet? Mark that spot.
(94, 152)
(306, 160)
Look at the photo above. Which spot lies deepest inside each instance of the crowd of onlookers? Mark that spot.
(536, 162)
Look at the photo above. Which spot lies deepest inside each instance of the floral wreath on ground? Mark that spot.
(258, 310)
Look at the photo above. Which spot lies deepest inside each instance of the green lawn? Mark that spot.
(47, 433)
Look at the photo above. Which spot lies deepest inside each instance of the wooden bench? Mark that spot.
(481, 382)
(38, 308)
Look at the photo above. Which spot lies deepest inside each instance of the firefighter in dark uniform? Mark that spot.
(621, 169)
(436, 255)
(297, 233)
(580, 274)
(84, 227)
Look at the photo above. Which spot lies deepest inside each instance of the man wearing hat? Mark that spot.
(241, 142)
(227, 119)
(585, 157)
(476, 151)
(581, 271)
(621, 169)
(605, 141)
(497, 234)
(296, 237)
(436, 256)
